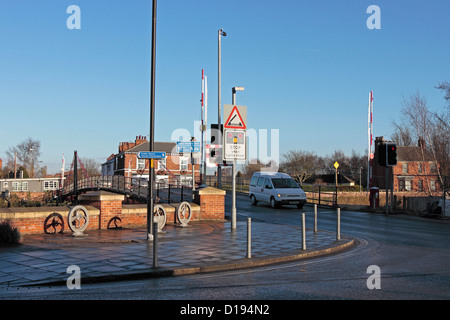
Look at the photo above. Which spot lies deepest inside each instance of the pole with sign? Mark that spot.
(234, 141)
(336, 166)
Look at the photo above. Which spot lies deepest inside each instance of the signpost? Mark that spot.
(336, 166)
(188, 146)
(234, 144)
(236, 117)
(234, 140)
(151, 155)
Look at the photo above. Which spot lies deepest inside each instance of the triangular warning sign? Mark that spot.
(235, 121)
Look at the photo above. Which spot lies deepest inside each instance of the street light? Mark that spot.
(150, 204)
(219, 170)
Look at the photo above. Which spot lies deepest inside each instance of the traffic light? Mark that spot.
(213, 155)
(216, 135)
(381, 154)
(391, 154)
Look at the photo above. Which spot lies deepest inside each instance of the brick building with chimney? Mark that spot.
(175, 169)
(416, 170)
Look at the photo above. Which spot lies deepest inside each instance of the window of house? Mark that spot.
(404, 185)
(419, 168)
(433, 185)
(20, 186)
(420, 185)
(405, 167)
(51, 185)
(5, 185)
(408, 185)
(140, 164)
(433, 168)
(183, 164)
(162, 164)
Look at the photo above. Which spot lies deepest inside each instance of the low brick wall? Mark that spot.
(106, 211)
(44, 219)
(211, 202)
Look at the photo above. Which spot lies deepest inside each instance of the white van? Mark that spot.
(275, 188)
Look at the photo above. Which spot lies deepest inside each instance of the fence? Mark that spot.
(319, 194)
(135, 188)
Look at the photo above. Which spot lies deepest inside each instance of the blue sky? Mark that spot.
(307, 68)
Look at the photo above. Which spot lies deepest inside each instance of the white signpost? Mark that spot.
(234, 141)
(234, 135)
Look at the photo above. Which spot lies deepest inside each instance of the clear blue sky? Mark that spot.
(307, 68)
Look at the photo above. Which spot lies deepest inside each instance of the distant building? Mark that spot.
(415, 170)
(175, 169)
(29, 185)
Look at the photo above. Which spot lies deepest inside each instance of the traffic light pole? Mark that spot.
(386, 170)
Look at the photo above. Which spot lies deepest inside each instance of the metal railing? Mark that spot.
(135, 188)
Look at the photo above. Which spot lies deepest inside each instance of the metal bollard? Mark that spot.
(338, 229)
(155, 245)
(303, 233)
(249, 238)
(315, 218)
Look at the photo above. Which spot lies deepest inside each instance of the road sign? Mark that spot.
(151, 155)
(234, 144)
(236, 117)
(336, 165)
(188, 146)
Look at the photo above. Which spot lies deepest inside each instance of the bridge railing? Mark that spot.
(136, 188)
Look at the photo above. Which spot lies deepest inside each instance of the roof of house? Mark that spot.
(413, 153)
(330, 179)
(169, 147)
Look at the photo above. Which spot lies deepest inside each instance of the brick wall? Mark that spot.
(106, 210)
(43, 219)
(212, 203)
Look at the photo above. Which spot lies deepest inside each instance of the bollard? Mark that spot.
(338, 229)
(315, 218)
(303, 233)
(249, 238)
(155, 245)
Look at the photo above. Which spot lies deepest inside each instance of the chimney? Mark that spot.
(421, 142)
(140, 139)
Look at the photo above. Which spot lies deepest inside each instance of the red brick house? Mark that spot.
(175, 169)
(416, 171)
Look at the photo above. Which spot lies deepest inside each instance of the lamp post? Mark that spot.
(150, 205)
(219, 169)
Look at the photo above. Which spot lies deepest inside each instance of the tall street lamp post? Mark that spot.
(150, 204)
(219, 134)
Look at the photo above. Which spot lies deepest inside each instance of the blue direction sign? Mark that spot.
(151, 155)
(188, 146)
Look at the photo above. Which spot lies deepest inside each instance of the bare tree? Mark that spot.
(91, 166)
(25, 154)
(402, 135)
(300, 164)
(430, 127)
(255, 166)
(445, 86)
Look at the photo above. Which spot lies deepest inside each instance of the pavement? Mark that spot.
(126, 254)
